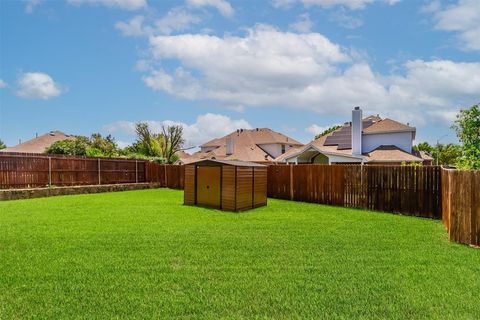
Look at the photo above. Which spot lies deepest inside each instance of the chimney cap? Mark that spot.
(357, 108)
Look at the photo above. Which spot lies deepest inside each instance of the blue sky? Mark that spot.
(296, 66)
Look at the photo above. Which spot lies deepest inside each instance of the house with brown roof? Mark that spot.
(370, 140)
(40, 143)
(255, 145)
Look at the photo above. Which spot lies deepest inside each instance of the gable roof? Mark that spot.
(241, 152)
(256, 136)
(387, 125)
(39, 144)
(390, 153)
(338, 142)
(247, 146)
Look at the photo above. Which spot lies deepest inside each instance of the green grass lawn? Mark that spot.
(142, 254)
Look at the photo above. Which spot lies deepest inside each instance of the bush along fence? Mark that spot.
(36, 171)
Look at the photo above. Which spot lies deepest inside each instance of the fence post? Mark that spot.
(49, 171)
(99, 179)
(291, 182)
(166, 181)
(136, 171)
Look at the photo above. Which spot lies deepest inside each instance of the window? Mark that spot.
(283, 148)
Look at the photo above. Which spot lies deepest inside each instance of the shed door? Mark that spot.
(208, 186)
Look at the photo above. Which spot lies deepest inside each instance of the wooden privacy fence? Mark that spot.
(398, 189)
(461, 205)
(421, 191)
(170, 176)
(33, 171)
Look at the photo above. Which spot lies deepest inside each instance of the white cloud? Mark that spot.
(267, 67)
(122, 144)
(31, 4)
(222, 6)
(350, 4)
(3, 84)
(345, 20)
(462, 18)
(315, 129)
(206, 127)
(177, 19)
(130, 5)
(37, 85)
(303, 25)
(134, 27)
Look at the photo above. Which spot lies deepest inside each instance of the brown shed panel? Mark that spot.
(259, 187)
(224, 184)
(228, 188)
(189, 188)
(244, 188)
(208, 186)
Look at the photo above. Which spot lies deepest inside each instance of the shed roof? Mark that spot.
(228, 162)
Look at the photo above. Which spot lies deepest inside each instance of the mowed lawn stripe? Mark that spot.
(143, 254)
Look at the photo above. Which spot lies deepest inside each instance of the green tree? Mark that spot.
(163, 147)
(327, 131)
(95, 146)
(423, 146)
(102, 146)
(2, 144)
(447, 154)
(172, 142)
(148, 143)
(467, 127)
(75, 147)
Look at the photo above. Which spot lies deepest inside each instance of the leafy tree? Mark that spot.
(95, 146)
(327, 131)
(467, 127)
(102, 146)
(172, 142)
(447, 154)
(148, 143)
(423, 146)
(2, 144)
(160, 146)
(75, 147)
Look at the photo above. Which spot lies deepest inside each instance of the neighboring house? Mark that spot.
(256, 145)
(39, 144)
(370, 140)
(182, 155)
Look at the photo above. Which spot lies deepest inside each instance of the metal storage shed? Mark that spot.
(226, 184)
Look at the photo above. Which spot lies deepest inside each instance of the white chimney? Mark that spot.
(229, 145)
(357, 128)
